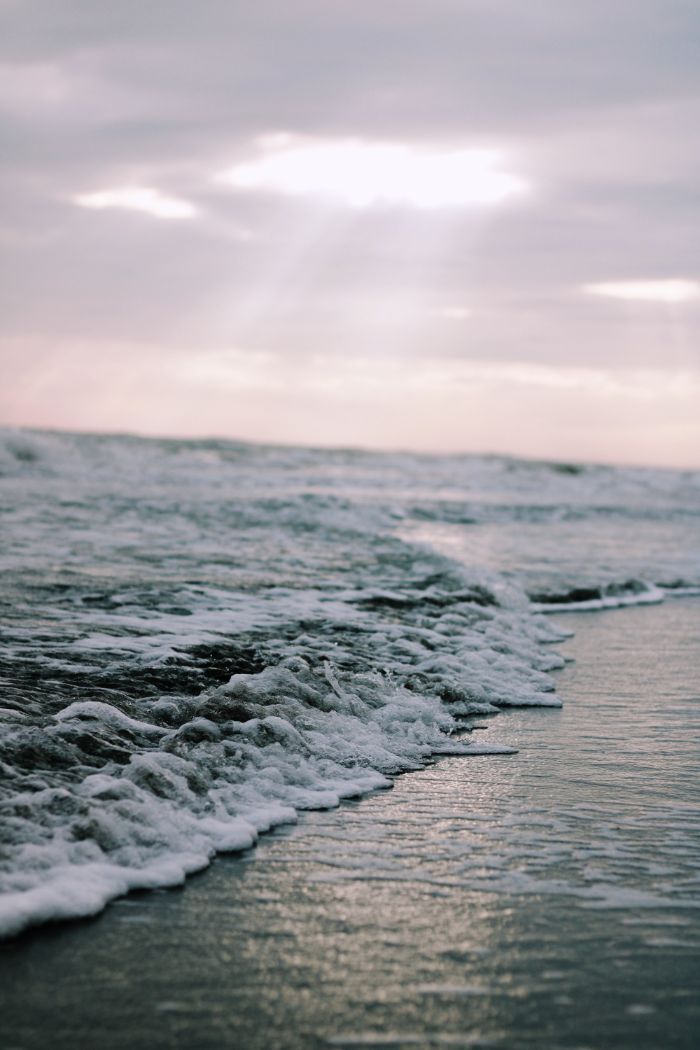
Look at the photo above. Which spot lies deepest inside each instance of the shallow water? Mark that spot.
(545, 899)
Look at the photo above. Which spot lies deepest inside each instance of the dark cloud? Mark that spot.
(434, 60)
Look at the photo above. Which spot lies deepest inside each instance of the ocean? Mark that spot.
(203, 639)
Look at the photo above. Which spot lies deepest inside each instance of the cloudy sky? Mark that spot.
(435, 224)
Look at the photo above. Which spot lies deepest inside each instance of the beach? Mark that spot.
(548, 898)
(321, 704)
(350, 526)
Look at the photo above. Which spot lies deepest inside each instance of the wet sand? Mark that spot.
(547, 899)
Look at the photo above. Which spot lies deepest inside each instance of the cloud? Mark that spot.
(678, 290)
(138, 198)
(363, 174)
(332, 242)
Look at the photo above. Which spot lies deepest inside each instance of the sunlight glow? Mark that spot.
(138, 198)
(665, 291)
(363, 174)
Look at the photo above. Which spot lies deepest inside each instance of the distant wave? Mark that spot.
(607, 596)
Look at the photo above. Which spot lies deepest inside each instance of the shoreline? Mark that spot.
(342, 880)
(136, 882)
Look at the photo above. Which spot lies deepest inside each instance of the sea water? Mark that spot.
(204, 638)
(543, 900)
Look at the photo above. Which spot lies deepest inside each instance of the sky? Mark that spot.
(449, 225)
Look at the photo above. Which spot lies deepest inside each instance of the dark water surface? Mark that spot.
(547, 899)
